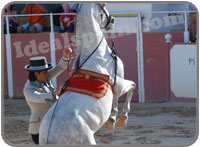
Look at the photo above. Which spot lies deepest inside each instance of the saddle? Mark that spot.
(89, 83)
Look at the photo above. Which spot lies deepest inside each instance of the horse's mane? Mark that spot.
(87, 27)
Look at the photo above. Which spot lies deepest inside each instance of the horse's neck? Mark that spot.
(88, 37)
(88, 33)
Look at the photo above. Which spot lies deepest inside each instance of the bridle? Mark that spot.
(110, 19)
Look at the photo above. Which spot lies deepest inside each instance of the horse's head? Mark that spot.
(90, 19)
(106, 20)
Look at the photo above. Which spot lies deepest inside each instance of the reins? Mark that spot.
(114, 55)
(78, 69)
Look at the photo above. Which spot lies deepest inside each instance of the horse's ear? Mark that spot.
(103, 5)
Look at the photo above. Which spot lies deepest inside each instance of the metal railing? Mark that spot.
(43, 14)
(133, 14)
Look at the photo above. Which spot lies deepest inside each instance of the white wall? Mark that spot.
(128, 24)
(125, 25)
(128, 7)
(183, 67)
(152, 22)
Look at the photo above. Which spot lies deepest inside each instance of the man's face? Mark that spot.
(65, 7)
(42, 76)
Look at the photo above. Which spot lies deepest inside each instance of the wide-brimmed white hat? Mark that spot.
(38, 63)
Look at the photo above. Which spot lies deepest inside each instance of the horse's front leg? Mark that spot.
(123, 118)
(110, 123)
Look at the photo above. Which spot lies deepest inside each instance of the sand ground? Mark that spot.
(149, 123)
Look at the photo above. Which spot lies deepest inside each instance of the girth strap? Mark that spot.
(89, 83)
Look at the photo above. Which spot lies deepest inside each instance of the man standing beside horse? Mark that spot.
(39, 88)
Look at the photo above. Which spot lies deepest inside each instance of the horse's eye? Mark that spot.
(103, 5)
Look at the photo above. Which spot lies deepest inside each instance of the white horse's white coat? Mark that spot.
(77, 117)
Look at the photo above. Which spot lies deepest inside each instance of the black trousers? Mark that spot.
(35, 138)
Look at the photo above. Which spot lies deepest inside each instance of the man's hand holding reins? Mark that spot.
(66, 52)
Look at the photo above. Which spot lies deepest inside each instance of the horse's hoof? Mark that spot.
(122, 121)
(110, 124)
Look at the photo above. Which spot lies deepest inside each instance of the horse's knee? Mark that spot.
(134, 85)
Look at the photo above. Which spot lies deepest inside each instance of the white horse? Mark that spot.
(76, 117)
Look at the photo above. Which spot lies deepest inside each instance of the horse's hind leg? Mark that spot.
(122, 120)
(110, 123)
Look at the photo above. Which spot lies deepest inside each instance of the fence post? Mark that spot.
(186, 32)
(52, 47)
(140, 60)
(9, 60)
